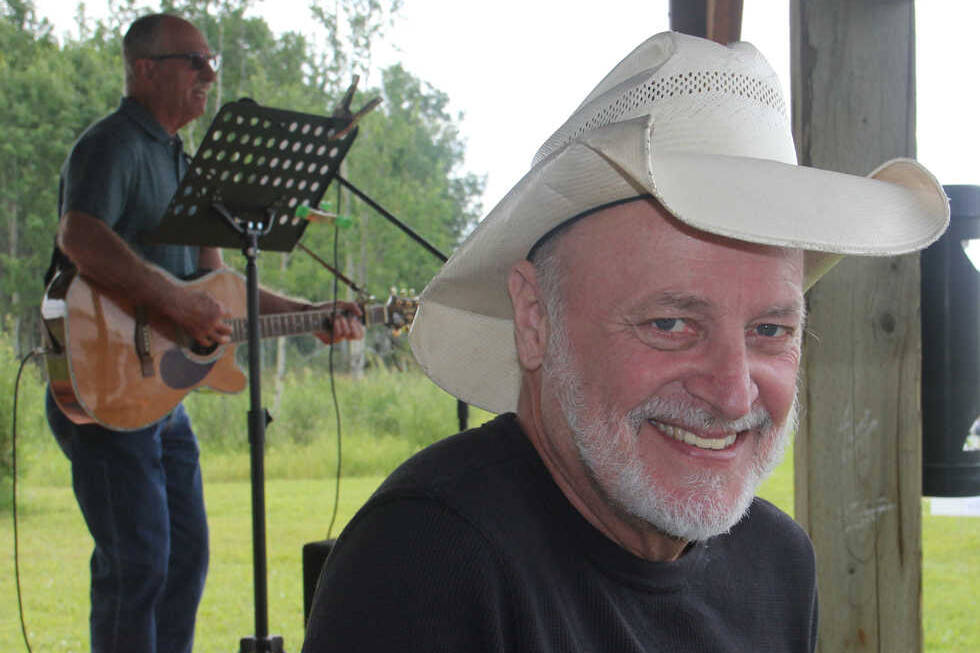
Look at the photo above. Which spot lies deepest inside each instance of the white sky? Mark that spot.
(517, 68)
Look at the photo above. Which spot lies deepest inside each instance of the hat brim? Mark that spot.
(793, 206)
(462, 335)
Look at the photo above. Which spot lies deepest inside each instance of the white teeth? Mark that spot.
(687, 437)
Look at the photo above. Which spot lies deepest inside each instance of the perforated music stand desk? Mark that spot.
(254, 168)
(260, 164)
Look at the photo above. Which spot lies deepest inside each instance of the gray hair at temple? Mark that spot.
(143, 39)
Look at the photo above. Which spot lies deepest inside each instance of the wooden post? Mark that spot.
(858, 451)
(718, 20)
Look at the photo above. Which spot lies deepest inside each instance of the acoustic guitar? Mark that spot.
(124, 367)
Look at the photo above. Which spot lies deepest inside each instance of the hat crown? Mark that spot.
(699, 96)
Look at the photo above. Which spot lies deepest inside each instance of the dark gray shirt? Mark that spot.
(471, 546)
(123, 170)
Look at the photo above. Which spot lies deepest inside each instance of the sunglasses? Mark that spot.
(196, 59)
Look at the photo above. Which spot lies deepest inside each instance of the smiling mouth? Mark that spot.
(679, 434)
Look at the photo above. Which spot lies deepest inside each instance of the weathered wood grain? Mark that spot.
(858, 451)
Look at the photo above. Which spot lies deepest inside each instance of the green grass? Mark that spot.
(55, 547)
(386, 417)
(951, 575)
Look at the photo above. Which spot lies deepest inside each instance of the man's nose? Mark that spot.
(724, 381)
(208, 73)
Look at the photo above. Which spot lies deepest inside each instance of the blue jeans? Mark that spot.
(140, 493)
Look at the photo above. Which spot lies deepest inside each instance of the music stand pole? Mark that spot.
(257, 420)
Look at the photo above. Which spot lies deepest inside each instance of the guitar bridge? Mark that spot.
(141, 340)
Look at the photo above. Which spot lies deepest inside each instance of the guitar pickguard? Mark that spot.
(179, 372)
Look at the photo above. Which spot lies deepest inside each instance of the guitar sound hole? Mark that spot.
(202, 350)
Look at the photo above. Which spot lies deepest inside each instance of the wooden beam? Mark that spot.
(858, 451)
(724, 20)
(718, 20)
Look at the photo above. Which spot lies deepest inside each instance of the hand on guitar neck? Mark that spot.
(347, 325)
(203, 318)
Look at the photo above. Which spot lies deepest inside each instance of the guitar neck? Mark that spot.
(291, 324)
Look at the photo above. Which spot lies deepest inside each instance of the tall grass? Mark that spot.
(384, 417)
(30, 414)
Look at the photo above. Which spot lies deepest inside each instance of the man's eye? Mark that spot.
(666, 333)
(669, 324)
(771, 330)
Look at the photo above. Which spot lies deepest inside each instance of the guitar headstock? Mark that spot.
(400, 311)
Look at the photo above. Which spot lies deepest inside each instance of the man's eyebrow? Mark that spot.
(794, 310)
(682, 301)
(679, 300)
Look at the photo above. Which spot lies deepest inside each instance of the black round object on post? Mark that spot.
(951, 352)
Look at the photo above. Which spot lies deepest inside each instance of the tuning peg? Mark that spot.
(343, 110)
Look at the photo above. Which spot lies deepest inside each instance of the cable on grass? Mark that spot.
(13, 457)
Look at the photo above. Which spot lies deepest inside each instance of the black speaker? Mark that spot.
(314, 556)
(951, 352)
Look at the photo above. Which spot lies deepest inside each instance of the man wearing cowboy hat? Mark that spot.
(637, 302)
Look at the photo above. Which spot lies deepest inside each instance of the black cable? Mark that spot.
(333, 386)
(13, 447)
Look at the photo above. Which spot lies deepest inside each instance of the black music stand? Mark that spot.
(254, 168)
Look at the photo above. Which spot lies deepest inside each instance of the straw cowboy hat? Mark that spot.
(704, 129)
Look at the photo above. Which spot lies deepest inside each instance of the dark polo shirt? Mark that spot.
(124, 169)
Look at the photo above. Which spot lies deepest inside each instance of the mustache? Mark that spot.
(691, 417)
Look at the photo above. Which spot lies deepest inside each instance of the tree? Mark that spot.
(352, 27)
(406, 156)
(47, 96)
(407, 159)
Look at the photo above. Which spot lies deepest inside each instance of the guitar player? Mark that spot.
(140, 491)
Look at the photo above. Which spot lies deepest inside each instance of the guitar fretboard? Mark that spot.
(291, 324)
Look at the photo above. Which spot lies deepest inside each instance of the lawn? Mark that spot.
(55, 545)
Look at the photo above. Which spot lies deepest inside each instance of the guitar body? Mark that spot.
(124, 367)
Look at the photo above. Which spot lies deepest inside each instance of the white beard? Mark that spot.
(608, 448)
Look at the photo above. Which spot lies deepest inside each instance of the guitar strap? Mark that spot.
(58, 263)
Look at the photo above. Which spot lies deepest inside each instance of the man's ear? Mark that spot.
(530, 315)
(143, 69)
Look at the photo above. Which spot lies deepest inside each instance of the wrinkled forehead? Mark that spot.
(639, 242)
(643, 219)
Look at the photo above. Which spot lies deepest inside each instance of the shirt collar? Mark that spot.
(142, 117)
